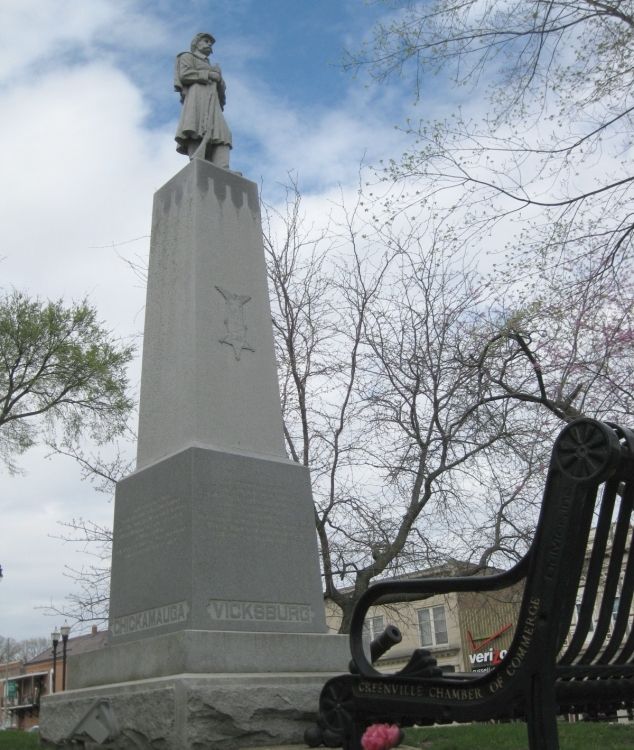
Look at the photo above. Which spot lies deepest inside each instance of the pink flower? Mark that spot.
(381, 737)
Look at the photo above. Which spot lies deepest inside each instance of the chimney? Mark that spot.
(94, 630)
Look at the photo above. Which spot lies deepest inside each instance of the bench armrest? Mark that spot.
(394, 591)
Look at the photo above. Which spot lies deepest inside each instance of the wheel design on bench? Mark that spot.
(335, 707)
(585, 448)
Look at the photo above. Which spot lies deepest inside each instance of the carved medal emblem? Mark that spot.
(235, 324)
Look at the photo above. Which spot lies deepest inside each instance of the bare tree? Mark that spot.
(423, 397)
(320, 302)
(370, 321)
(21, 650)
(550, 151)
(89, 598)
(567, 351)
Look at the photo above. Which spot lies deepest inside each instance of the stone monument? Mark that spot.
(217, 635)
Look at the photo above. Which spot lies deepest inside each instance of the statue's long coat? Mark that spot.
(203, 101)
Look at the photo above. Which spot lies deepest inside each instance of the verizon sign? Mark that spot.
(484, 656)
(484, 660)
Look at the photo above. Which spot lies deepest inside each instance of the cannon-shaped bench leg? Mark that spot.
(335, 726)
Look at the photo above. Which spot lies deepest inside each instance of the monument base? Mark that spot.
(184, 712)
(209, 652)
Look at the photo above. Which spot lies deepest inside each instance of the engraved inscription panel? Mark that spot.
(169, 614)
(261, 548)
(243, 507)
(413, 690)
(225, 610)
(159, 525)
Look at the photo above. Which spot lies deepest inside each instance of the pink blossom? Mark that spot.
(381, 737)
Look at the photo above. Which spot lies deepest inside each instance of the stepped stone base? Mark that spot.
(184, 712)
(208, 652)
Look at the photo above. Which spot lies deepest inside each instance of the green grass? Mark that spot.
(579, 736)
(14, 740)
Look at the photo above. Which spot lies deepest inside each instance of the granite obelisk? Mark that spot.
(208, 528)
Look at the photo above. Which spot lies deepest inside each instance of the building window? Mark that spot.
(432, 625)
(372, 628)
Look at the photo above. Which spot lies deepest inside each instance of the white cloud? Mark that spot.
(81, 176)
(324, 146)
(37, 35)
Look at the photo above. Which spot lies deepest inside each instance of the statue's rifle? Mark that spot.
(206, 137)
(202, 147)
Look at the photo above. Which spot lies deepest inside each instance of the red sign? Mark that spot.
(481, 660)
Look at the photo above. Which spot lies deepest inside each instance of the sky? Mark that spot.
(87, 120)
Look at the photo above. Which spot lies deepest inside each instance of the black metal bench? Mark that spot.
(581, 562)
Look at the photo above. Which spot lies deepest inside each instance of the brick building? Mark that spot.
(22, 684)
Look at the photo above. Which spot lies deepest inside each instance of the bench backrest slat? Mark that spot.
(594, 573)
(572, 571)
(610, 588)
(623, 617)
